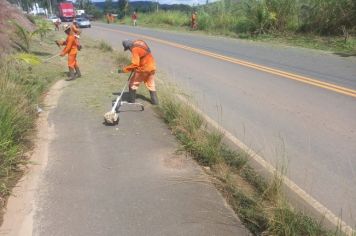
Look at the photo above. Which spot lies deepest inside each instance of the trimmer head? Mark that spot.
(111, 118)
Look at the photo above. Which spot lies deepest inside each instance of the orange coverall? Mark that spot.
(144, 65)
(107, 18)
(76, 32)
(72, 50)
(194, 20)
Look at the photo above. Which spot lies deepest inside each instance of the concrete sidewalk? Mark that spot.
(123, 180)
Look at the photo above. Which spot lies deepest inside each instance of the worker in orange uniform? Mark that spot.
(57, 23)
(71, 48)
(144, 67)
(108, 18)
(134, 18)
(76, 30)
(194, 20)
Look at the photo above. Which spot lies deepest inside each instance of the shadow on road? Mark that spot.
(344, 54)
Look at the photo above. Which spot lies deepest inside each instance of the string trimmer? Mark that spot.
(50, 58)
(112, 117)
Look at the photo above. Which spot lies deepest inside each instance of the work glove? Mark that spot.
(57, 42)
(120, 71)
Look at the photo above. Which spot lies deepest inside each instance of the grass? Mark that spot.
(166, 18)
(105, 47)
(332, 43)
(23, 79)
(260, 203)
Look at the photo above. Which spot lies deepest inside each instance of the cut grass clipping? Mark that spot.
(260, 205)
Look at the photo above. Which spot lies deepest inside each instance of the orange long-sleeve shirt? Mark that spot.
(71, 45)
(141, 61)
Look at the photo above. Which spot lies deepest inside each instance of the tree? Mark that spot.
(108, 7)
(328, 17)
(123, 6)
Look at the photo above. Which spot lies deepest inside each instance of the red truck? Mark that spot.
(66, 11)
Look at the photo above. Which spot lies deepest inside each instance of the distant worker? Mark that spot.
(194, 21)
(108, 18)
(143, 66)
(112, 18)
(134, 18)
(71, 48)
(57, 23)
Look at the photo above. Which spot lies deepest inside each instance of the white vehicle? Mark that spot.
(37, 11)
(54, 19)
(83, 22)
(80, 12)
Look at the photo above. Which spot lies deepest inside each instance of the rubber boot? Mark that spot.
(154, 98)
(71, 74)
(77, 72)
(132, 96)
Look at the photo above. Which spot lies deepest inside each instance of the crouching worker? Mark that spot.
(144, 67)
(71, 48)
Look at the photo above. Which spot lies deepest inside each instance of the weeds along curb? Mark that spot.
(264, 209)
(23, 81)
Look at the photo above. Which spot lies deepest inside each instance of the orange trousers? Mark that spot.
(146, 77)
(72, 61)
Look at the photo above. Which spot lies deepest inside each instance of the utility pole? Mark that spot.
(157, 6)
(50, 7)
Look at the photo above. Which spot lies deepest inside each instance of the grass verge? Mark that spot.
(23, 80)
(260, 203)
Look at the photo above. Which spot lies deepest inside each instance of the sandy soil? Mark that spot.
(9, 12)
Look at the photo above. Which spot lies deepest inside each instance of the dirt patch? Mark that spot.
(8, 13)
(177, 162)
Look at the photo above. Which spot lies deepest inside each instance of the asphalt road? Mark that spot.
(311, 128)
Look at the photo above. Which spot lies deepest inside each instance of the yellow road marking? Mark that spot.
(303, 79)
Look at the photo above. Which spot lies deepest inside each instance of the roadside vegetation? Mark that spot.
(105, 47)
(260, 203)
(326, 25)
(23, 79)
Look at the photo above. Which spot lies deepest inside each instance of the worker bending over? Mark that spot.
(144, 67)
(71, 48)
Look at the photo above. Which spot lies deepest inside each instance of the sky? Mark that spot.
(188, 2)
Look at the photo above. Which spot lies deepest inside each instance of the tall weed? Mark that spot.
(20, 88)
